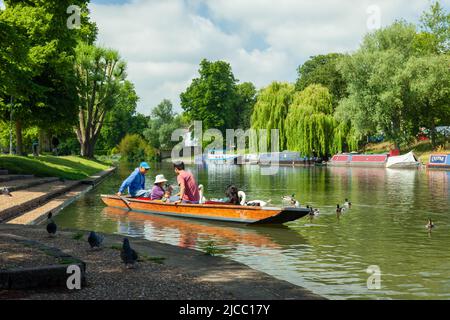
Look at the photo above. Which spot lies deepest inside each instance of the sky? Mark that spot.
(163, 41)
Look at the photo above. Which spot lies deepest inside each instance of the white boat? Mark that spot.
(408, 160)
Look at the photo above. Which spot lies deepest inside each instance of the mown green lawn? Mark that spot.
(67, 167)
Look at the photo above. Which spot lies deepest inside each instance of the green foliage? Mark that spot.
(122, 119)
(102, 86)
(212, 97)
(135, 149)
(246, 99)
(378, 99)
(322, 69)
(428, 81)
(310, 123)
(435, 23)
(271, 109)
(162, 123)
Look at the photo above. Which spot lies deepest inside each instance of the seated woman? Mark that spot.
(158, 192)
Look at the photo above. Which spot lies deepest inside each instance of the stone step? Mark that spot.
(31, 198)
(11, 177)
(16, 185)
(39, 215)
(3, 172)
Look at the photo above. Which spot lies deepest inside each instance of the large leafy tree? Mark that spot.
(310, 123)
(101, 84)
(379, 100)
(322, 69)
(212, 96)
(429, 85)
(45, 90)
(271, 109)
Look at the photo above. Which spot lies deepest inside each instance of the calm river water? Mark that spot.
(329, 256)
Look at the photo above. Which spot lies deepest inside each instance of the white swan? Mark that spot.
(243, 197)
(200, 191)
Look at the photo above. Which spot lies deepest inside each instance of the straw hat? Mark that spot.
(160, 178)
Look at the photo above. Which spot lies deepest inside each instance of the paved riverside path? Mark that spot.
(184, 274)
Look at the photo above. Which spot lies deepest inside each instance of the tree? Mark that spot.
(122, 119)
(246, 99)
(322, 69)
(162, 123)
(45, 88)
(101, 78)
(379, 100)
(211, 98)
(271, 109)
(436, 23)
(429, 85)
(310, 123)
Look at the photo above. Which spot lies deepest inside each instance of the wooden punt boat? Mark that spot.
(221, 212)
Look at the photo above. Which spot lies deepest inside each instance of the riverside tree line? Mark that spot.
(57, 81)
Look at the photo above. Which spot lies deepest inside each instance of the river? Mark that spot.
(328, 255)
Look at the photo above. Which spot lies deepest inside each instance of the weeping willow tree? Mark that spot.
(271, 109)
(345, 138)
(310, 125)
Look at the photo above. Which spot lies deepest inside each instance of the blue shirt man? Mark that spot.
(135, 183)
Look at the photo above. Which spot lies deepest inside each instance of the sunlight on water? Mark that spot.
(328, 255)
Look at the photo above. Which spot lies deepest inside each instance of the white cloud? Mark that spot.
(163, 41)
(2, 5)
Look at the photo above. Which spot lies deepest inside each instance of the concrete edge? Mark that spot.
(54, 275)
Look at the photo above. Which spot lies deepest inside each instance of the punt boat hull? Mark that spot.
(219, 212)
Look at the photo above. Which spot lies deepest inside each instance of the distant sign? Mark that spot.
(438, 159)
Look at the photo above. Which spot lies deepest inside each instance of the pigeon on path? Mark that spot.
(128, 255)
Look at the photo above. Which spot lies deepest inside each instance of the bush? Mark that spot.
(135, 149)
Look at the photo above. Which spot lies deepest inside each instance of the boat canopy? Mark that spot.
(408, 159)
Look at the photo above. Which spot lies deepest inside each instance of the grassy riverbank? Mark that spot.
(67, 167)
(422, 149)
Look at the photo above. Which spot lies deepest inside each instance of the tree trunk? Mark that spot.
(19, 145)
(44, 141)
(87, 149)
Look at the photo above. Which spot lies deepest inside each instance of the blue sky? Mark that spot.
(163, 41)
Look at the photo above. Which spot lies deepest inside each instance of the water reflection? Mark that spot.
(330, 256)
(188, 232)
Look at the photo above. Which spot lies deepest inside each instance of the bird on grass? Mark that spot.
(128, 255)
(5, 191)
(347, 203)
(95, 240)
(430, 224)
(51, 225)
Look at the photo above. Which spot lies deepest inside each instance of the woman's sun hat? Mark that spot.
(160, 178)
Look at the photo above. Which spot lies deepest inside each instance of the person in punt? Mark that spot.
(135, 183)
(188, 186)
(158, 191)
